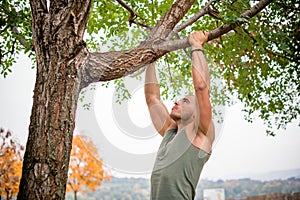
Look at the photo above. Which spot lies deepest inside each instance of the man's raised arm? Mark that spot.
(158, 112)
(201, 81)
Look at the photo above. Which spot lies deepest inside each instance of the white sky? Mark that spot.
(242, 149)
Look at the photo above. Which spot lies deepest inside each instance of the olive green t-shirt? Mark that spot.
(177, 167)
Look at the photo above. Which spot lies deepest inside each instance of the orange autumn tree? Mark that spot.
(85, 169)
(10, 164)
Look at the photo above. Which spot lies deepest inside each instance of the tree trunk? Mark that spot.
(60, 51)
(75, 195)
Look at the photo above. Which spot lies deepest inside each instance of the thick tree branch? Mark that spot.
(80, 11)
(166, 25)
(112, 65)
(39, 21)
(172, 45)
(133, 15)
(72, 13)
(193, 19)
(39, 6)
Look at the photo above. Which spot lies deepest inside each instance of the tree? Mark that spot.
(15, 32)
(85, 168)
(253, 44)
(11, 154)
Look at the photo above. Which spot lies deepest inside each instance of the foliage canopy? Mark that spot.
(258, 62)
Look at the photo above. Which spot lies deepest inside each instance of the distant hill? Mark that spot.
(287, 181)
(118, 189)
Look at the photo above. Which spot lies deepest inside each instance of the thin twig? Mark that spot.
(0, 63)
(265, 48)
(15, 30)
(170, 45)
(169, 69)
(3, 30)
(191, 20)
(133, 15)
(213, 13)
(277, 54)
(249, 34)
(247, 15)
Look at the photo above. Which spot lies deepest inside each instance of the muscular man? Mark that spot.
(188, 131)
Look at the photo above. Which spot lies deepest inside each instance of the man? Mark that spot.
(188, 131)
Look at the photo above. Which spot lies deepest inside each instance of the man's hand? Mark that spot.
(197, 39)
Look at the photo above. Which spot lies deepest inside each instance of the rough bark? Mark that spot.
(59, 49)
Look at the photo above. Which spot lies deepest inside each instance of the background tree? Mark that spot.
(11, 154)
(15, 32)
(254, 46)
(85, 168)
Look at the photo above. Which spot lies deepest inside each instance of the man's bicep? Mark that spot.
(160, 116)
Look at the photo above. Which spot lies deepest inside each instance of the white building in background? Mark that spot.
(214, 194)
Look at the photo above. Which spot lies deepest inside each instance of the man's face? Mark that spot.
(184, 108)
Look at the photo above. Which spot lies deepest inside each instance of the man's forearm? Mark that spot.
(151, 83)
(200, 70)
(151, 74)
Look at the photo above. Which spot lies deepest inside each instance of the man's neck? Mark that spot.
(181, 124)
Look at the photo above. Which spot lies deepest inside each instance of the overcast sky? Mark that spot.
(241, 148)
